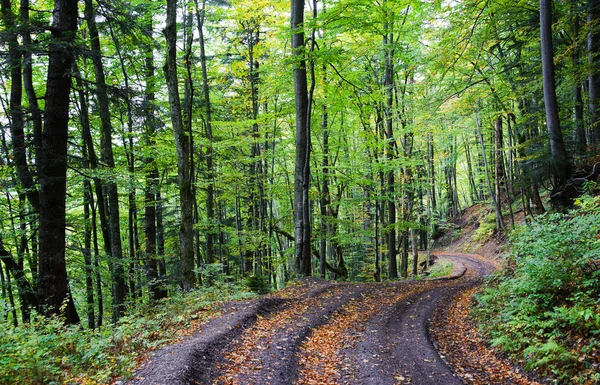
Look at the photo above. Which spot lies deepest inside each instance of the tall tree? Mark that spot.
(561, 167)
(594, 65)
(53, 290)
(110, 190)
(182, 145)
(302, 227)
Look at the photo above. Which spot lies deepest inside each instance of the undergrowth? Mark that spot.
(544, 308)
(441, 268)
(47, 352)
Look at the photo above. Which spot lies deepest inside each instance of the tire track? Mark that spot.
(267, 353)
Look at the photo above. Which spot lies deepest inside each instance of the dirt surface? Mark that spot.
(323, 333)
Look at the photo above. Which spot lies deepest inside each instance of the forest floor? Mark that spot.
(320, 332)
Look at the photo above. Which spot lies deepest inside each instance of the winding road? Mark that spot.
(322, 333)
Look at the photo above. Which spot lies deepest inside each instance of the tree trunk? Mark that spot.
(561, 168)
(87, 256)
(210, 188)
(182, 145)
(110, 188)
(593, 44)
(302, 227)
(325, 198)
(53, 289)
(17, 119)
(580, 136)
(499, 218)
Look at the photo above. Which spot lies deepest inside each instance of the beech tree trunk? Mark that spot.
(210, 188)
(561, 168)
(109, 187)
(302, 228)
(182, 145)
(593, 44)
(53, 290)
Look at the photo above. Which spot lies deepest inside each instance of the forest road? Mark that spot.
(322, 333)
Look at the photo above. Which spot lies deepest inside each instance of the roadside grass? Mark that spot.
(442, 268)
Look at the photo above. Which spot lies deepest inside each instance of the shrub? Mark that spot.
(47, 352)
(257, 283)
(544, 308)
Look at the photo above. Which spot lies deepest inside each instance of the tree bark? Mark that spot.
(182, 145)
(53, 289)
(110, 191)
(302, 228)
(210, 188)
(593, 44)
(17, 118)
(154, 284)
(561, 168)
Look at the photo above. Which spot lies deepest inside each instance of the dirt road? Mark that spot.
(322, 333)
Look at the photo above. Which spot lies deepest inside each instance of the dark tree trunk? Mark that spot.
(593, 44)
(17, 118)
(561, 168)
(302, 167)
(87, 256)
(580, 136)
(110, 191)
(36, 113)
(53, 289)
(388, 82)
(325, 198)
(154, 285)
(182, 145)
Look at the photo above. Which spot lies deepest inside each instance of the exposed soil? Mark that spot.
(326, 333)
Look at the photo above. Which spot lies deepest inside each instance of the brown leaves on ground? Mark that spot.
(247, 354)
(475, 362)
(321, 361)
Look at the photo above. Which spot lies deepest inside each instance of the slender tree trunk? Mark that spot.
(431, 168)
(580, 136)
(499, 219)
(99, 294)
(109, 187)
(87, 256)
(302, 168)
(36, 113)
(182, 145)
(593, 44)
(17, 119)
(210, 188)
(53, 289)
(325, 198)
(160, 246)
(470, 175)
(154, 284)
(388, 82)
(562, 169)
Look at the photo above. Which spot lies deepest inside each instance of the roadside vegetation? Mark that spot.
(45, 351)
(543, 309)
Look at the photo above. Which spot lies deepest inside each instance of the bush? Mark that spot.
(544, 308)
(257, 283)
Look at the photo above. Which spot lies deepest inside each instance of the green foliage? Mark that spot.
(441, 268)
(486, 228)
(544, 309)
(46, 351)
(257, 283)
